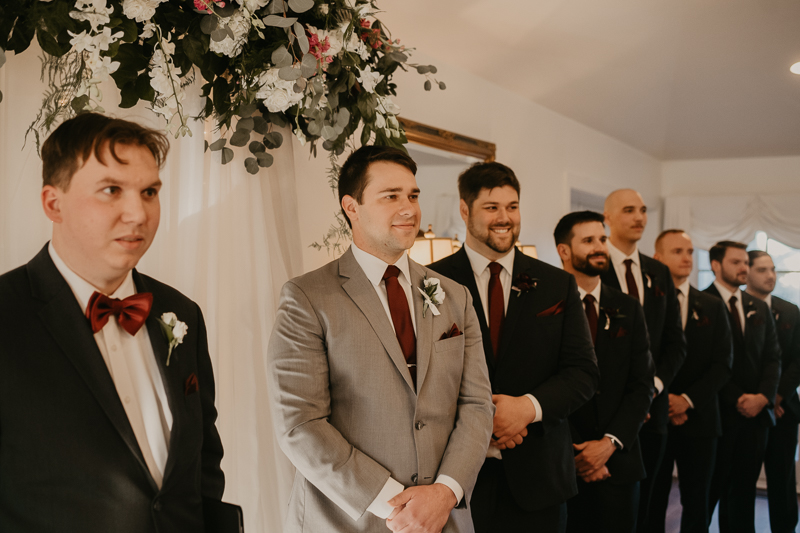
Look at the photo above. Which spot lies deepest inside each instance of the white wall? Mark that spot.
(759, 175)
(548, 152)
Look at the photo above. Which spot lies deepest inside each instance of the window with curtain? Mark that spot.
(787, 266)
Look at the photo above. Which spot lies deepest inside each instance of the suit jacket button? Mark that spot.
(419, 425)
(414, 478)
(157, 506)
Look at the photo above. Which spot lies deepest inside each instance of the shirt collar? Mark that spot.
(618, 257)
(595, 292)
(81, 288)
(375, 268)
(480, 263)
(768, 300)
(684, 288)
(726, 294)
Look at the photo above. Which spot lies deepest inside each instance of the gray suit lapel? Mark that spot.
(363, 294)
(424, 325)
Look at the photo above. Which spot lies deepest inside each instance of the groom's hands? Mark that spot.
(423, 508)
(511, 418)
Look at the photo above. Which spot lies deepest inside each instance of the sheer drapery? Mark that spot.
(227, 239)
(710, 219)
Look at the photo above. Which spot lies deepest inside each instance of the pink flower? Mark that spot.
(206, 5)
(364, 23)
(317, 48)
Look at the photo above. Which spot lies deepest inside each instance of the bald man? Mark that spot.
(650, 282)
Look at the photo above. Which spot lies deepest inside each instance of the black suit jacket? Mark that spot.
(756, 359)
(69, 460)
(708, 363)
(545, 350)
(667, 342)
(626, 386)
(787, 322)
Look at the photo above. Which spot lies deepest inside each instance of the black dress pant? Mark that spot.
(740, 453)
(494, 508)
(603, 506)
(780, 470)
(695, 457)
(653, 446)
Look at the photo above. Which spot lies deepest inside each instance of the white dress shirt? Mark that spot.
(480, 268)
(596, 294)
(683, 300)
(726, 296)
(134, 370)
(375, 268)
(618, 259)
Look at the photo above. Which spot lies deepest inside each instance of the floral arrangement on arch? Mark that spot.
(322, 67)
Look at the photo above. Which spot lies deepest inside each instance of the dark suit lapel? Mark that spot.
(610, 277)
(466, 276)
(66, 322)
(516, 301)
(363, 294)
(170, 375)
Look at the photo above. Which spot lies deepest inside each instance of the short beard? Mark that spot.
(732, 280)
(585, 267)
(489, 241)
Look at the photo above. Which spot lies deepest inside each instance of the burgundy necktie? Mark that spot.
(633, 289)
(401, 318)
(497, 306)
(591, 315)
(130, 312)
(735, 312)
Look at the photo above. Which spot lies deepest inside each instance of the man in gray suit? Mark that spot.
(380, 393)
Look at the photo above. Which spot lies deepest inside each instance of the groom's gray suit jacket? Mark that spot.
(345, 410)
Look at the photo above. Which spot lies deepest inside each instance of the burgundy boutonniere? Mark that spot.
(611, 314)
(658, 292)
(699, 318)
(619, 332)
(785, 326)
(523, 284)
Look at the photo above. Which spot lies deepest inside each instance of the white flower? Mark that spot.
(101, 67)
(81, 41)
(239, 23)
(148, 30)
(254, 5)
(139, 10)
(96, 12)
(179, 331)
(277, 95)
(174, 330)
(104, 39)
(387, 106)
(357, 46)
(380, 122)
(432, 294)
(369, 79)
(169, 318)
(335, 39)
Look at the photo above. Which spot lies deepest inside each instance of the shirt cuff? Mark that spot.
(453, 485)
(659, 384)
(536, 406)
(379, 507)
(615, 440)
(688, 400)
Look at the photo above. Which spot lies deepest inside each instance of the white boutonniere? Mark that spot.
(750, 313)
(174, 329)
(432, 295)
(649, 281)
(695, 316)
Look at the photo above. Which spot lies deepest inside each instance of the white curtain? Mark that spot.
(709, 219)
(227, 239)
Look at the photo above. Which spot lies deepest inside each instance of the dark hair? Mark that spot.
(72, 143)
(353, 176)
(484, 176)
(755, 254)
(665, 233)
(563, 233)
(718, 251)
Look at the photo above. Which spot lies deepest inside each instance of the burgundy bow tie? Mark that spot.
(130, 312)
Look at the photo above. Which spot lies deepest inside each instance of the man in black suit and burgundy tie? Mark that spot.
(650, 282)
(747, 399)
(107, 418)
(540, 358)
(782, 442)
(695, 423)
(605, 430)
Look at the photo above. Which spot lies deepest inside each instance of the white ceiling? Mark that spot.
(678, 79)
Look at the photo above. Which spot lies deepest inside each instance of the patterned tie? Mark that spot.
(633, 289)
(401, 318)
(497, 311)
(591, 316)
(130, 312)
(735, 313)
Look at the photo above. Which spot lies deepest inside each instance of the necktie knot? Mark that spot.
(589, 299)
(130, 312)
(495, 268)
(733, 301)
(391, 272)
(628, 263)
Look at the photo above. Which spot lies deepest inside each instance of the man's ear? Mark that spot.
(51, 203)
(563, 252)
(463, 210)
(716, 270)
(350, 207)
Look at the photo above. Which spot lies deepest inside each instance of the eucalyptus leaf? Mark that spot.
(314, 128)
(245, 110)
(260, 125)
(302, 83)
(229, 32)
(317, 85)
(302, 38)
(333, 100)
(217, 145)
(308, 65)
(273, 140)
(400, 57)
(328, 133)
(279, 22)
(442, 86)
(264, 159)
(256, 147)
(226, 11)
(219, 34)
(205, 148)
(328, 145)
(226, 156)
(281, 57)
(251, 164)
(365, 135)
(279, 119)
(245, 125)
(296, 88)
(427, 85)
(240, 138)
(432, 69)
(289, 73)
(338, 129)
(300, 6)
(423, 69)
(208, 24)
(343, 118)
(277, 6)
